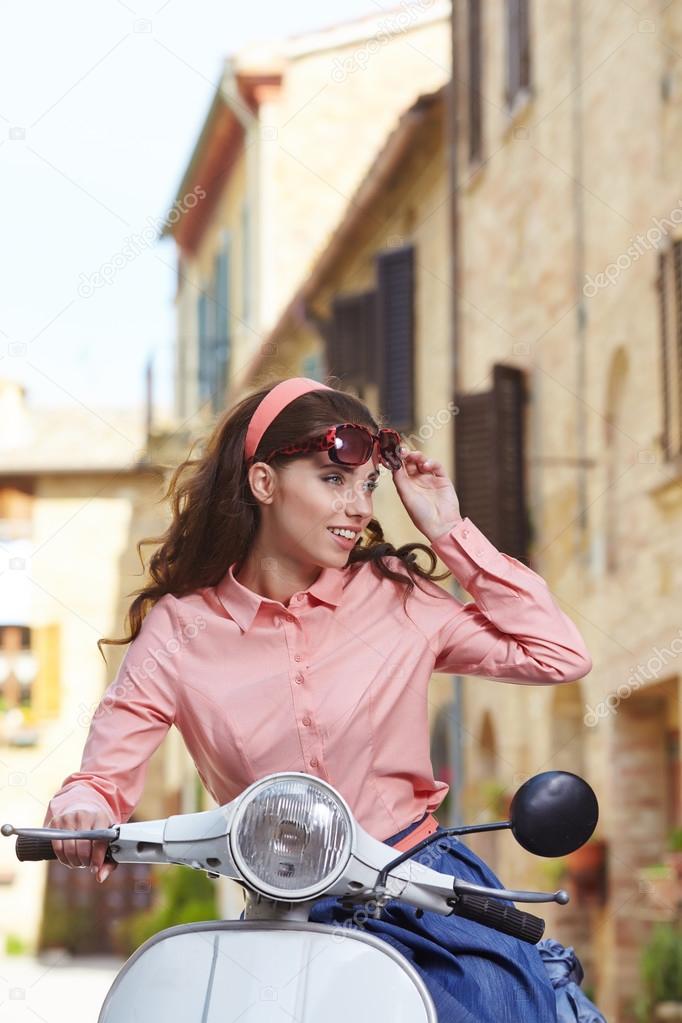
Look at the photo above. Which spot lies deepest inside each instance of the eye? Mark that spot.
(372, 484)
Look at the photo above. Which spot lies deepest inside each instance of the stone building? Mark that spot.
(70, 516)
(567, 265)
(291, 130)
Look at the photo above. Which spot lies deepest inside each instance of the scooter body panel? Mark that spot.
(265, 971)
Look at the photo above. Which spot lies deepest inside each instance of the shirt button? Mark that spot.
(290, 618)
(299, 678)
(297, 657)
(306, 720)
(465, 532)
(314, 762)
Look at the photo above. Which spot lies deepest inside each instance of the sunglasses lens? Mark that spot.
(353, 445)
(389, 442)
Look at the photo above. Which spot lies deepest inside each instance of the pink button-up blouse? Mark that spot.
(334, 684)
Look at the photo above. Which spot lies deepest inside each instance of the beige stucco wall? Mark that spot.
(83, 566)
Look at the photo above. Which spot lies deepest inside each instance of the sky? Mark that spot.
(100, 107)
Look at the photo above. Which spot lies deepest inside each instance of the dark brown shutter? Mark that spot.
(663, 311)
(490, 462)
(675, 367)
(512, 50)
(395, 332)
(475, 78)
(524, 44)
(351, 339)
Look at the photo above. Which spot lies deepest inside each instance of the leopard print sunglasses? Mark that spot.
(348, 444)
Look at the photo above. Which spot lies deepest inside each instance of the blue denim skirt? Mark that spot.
(473, 973)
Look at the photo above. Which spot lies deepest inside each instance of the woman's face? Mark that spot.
(302, 499)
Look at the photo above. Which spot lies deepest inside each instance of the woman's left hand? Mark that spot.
(427, 493)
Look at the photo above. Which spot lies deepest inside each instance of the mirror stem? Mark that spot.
(436, 836)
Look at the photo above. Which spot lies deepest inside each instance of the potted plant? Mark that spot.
(586, 869)
(661, 974)
(586, 862)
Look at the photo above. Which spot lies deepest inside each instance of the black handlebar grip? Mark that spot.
(28, 847)
(496, 914)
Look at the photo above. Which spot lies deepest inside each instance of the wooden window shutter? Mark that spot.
(395, 332)
(351, 340)
(475, 78)
(221, 339)
(512, 50)
(46, 694)
(203, 345)
(524, 44)
(490, 461)
(675, 356)
(665, 333)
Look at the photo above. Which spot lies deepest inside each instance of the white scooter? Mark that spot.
(291, 839)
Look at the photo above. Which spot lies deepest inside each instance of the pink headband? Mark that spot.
(272, 404)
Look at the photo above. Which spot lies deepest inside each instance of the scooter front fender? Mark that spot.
(266, 971)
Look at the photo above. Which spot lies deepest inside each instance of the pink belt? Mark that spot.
(426, 828)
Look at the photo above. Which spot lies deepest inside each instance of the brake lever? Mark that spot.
(467, 888)
(59, 834)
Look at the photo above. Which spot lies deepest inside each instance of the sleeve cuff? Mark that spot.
(465, 550)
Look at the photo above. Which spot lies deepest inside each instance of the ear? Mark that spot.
(262, 481)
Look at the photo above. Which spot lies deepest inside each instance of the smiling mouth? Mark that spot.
(344, 541)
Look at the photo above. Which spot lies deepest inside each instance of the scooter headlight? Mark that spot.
(291, 836)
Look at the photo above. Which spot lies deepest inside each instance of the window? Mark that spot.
(395, 355)
(246, 261)
(370, 339)
(352, 340)
(474, 43)
(214, 330)
(669, 285)
(517, 50)
(490, 462)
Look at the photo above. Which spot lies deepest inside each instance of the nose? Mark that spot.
(359, 500)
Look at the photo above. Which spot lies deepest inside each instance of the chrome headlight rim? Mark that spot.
(257, 883)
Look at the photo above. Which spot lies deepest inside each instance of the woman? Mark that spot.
(273, 643)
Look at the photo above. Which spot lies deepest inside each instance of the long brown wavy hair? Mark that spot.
(215, 516)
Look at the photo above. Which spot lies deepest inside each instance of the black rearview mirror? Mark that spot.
(553, 813)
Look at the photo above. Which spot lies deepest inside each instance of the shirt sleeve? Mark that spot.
(513, 631)
(129, 723)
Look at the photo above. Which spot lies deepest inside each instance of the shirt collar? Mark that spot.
(243, 603)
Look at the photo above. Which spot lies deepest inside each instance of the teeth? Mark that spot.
(348, 533)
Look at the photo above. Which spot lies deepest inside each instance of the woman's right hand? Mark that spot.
(81, 853)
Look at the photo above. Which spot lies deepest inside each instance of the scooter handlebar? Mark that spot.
(29, 848)
(501, 917)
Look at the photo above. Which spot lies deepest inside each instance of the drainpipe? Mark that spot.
(452, 135)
